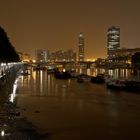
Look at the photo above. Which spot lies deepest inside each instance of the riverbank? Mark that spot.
(12, 125)
(15, 127)
(21, 129)
(67, 110)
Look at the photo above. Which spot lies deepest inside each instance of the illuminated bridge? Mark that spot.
(86, 64)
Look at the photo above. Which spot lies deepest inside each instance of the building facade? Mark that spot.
(42, 55)
(113, 41)
(81, 55)
(126, 51)
(62, 56)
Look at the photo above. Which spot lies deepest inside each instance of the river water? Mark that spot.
(67, 110)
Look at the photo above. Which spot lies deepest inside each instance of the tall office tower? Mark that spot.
(81, 47)
(113, 41)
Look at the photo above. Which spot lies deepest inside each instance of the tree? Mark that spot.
(136, 60)
(7, 51)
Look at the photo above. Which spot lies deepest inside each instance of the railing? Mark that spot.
(5, 68)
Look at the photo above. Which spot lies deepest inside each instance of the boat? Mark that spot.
(50, 71)
(100, 78)
(126, 85)
(37, 68)
(74, 74)
(24, 72)
(62, 75)
(116, 84)
(132, 85)
(83, 78)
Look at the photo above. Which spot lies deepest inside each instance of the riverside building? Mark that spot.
(42, 55)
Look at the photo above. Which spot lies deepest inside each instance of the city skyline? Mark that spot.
(55, 25)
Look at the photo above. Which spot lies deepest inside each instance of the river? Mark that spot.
(67, 110)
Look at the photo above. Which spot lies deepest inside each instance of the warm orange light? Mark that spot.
(34, 61)
(129, 62)
(91, 59)
(26, 60)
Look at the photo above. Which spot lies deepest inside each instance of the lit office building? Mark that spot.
(81, 47)
(70, 55)
(113, 41)
(42, 55)
(63, 56)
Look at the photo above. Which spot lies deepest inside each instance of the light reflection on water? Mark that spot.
(44, 84)
(115, 73)
(76, 110)
(13, 94)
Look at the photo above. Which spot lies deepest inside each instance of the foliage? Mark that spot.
(136, 60)
(7, 51)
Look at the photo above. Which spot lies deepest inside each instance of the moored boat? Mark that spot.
(98, 79)
(62, 75)
(116, 84)
(83, 78)
(126, 85)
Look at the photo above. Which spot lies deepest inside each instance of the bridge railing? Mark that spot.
(5, 67)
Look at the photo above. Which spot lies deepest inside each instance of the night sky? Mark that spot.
(56, 24)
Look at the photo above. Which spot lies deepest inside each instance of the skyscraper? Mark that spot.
(81, 47)
(113, 40)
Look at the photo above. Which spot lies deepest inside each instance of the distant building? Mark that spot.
(126, 51)
(62, 56)
(113, 41)
(24, 57)
(42, 55)
(81, 56)
(71, 55)
(123, 57)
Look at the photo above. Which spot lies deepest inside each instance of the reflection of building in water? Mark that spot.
(41, 82)
(120, 73)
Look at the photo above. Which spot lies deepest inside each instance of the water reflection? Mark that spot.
(79, 108)
(34, 76)
(115, 73)
(41, 81)
(13, 94)
(48, 84)
(44, 84)
(8, 89)
(88, 72)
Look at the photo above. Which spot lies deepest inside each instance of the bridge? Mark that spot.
(86, 64)
(9, 68)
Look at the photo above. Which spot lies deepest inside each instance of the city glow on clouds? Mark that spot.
(55, 25)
